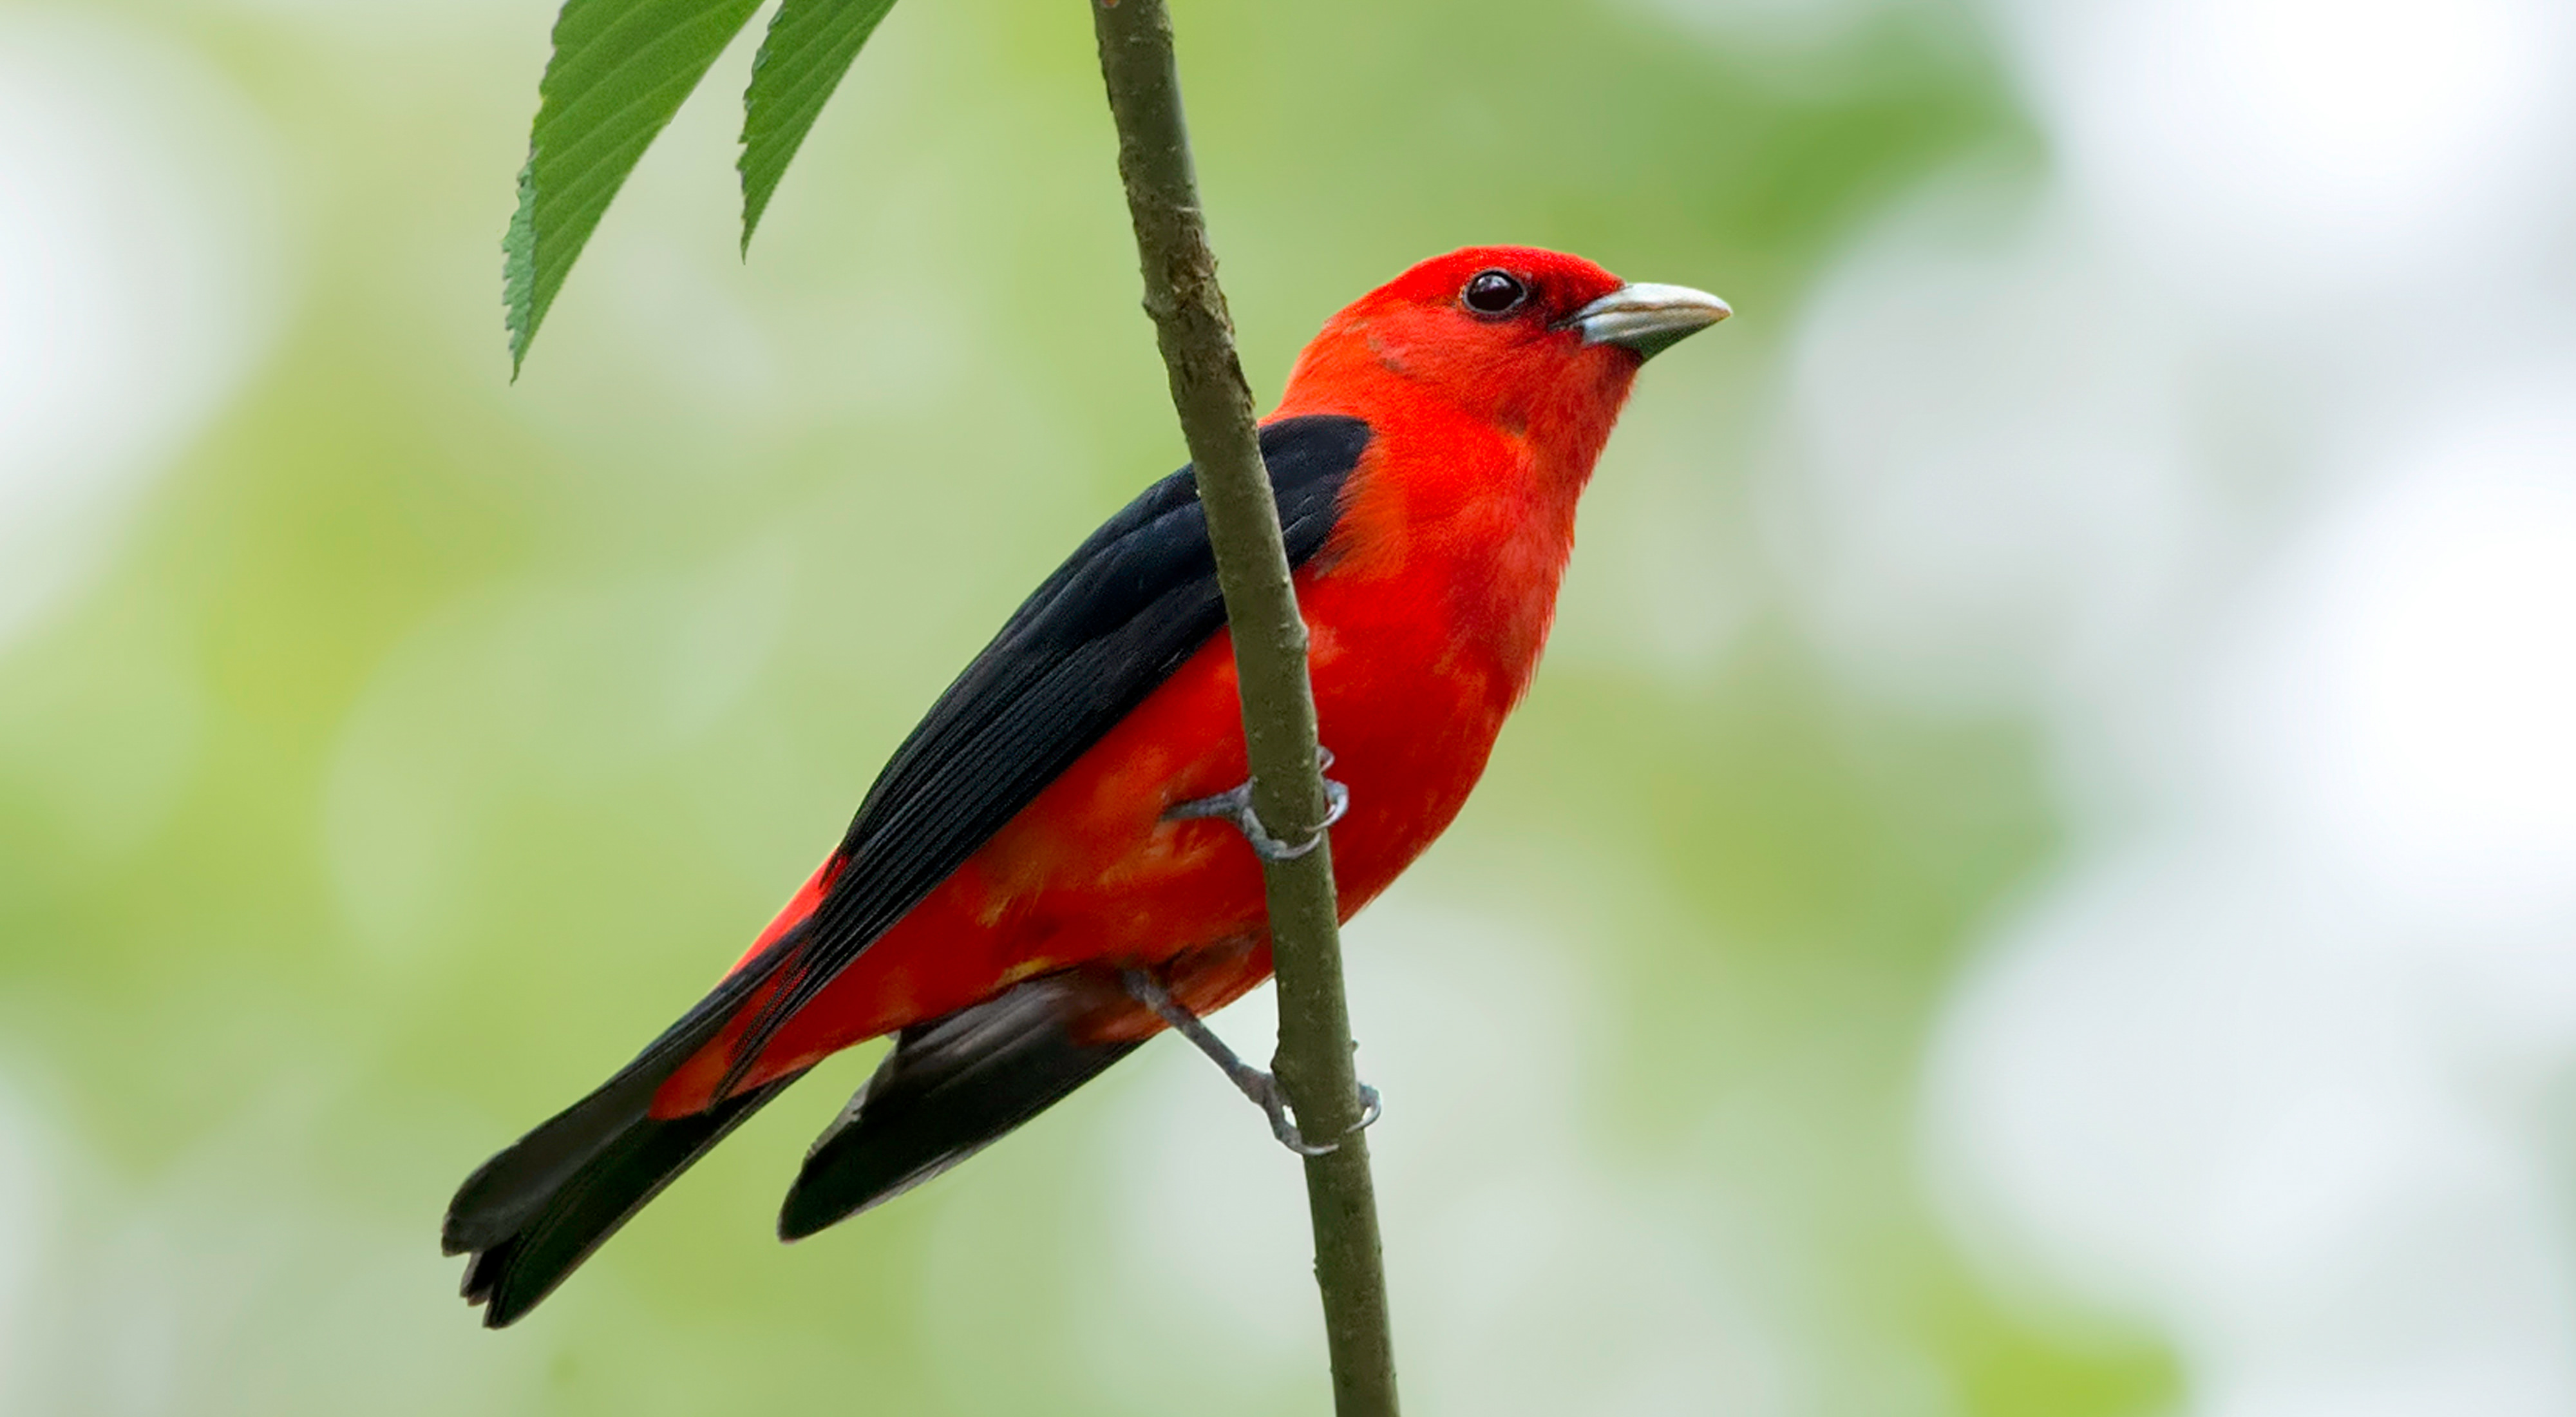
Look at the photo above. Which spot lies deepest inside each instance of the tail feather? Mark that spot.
(950, 1088)
(508, 1192)
(532, 1213)
(509, 1274)
(505, 1192)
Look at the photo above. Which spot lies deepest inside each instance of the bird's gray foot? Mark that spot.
(1235, 805)
(1261, 1087)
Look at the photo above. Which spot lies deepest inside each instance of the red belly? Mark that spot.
(1091, 875)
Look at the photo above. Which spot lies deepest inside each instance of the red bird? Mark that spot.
(1039, 878)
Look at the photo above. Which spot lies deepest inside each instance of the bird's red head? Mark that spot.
(1533, 341)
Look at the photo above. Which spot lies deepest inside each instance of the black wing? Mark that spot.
(948, 1089)
(1114, 621)
(1131, 604)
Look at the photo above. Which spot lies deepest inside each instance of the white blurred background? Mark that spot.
(2243, 454)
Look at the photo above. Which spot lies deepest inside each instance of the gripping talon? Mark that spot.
(1276, 1104)
(1263, 1088)
(1235, 805)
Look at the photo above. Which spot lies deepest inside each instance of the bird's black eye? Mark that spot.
(1494, 293)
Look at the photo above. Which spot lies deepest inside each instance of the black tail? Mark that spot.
(510, 1274)
(532, 1213)
(950, 1088)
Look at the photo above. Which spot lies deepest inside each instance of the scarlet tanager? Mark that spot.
(1039, 867)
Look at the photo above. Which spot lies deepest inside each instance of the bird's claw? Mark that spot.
(1263, 1088)
(1275, 1102)
(1235, 805)
(1271, 1099)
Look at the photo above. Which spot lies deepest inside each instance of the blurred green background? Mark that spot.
(386, 751)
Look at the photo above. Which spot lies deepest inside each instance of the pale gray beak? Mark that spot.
(1648, 318)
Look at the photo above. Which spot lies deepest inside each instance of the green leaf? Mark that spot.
(809, 47)
(620, 70)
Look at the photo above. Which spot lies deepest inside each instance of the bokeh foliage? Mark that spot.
(430, 741)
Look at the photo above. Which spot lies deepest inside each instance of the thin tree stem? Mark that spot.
(1314, 1061)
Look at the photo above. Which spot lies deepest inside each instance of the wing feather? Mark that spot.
(1115, 621)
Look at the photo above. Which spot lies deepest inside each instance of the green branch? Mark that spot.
(1215, 405)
